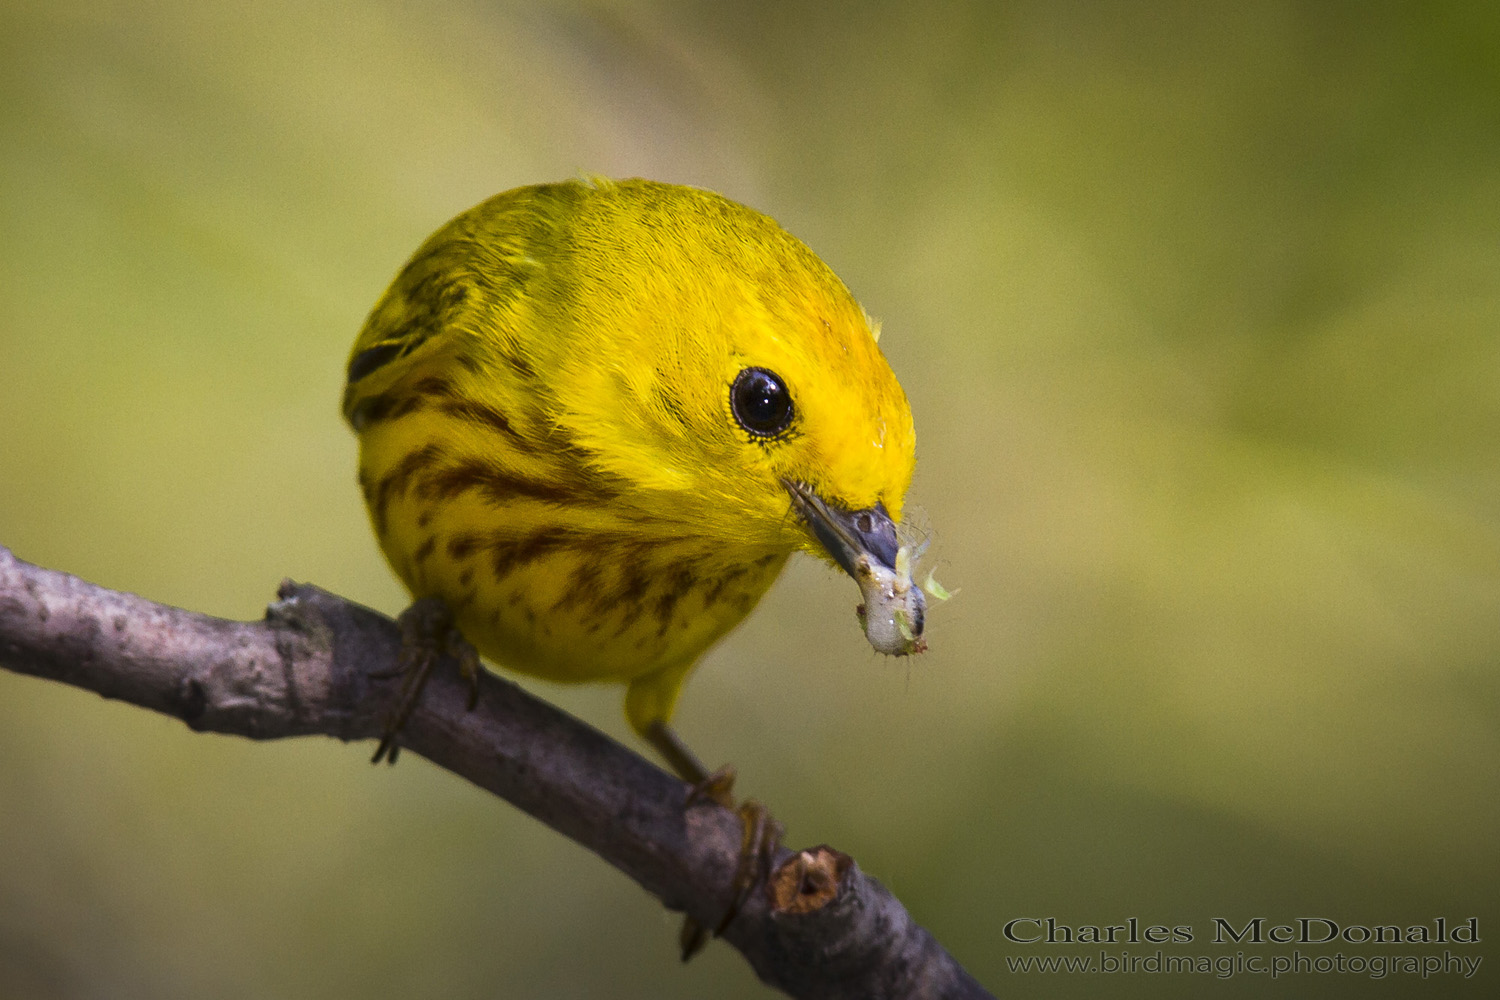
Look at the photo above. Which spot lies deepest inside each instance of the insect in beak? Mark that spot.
(864, 543)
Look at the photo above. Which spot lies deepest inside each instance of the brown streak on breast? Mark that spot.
(474, 412)
(497, 485)
(716, 589)
(582, 589)
(680, 580)
(463, 545)
(395, 482)
(509, 553)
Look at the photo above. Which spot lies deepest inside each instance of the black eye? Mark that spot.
(760, 402)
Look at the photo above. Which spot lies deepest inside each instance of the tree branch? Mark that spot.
(819, 928)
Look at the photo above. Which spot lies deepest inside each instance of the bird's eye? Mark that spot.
(760, 402)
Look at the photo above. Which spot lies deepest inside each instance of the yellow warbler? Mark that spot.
(595, 418)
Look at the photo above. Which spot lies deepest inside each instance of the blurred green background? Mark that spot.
(1198, 306)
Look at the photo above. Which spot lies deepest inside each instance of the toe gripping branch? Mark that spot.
(761, 833)
(427, 635)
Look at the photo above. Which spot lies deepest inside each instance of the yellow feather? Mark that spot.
(548, 440)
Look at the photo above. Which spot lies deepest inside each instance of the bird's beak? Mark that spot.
(864, 543)
(847, 534)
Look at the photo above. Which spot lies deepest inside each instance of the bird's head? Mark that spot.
(751, 385)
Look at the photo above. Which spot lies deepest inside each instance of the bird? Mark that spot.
(596, 418)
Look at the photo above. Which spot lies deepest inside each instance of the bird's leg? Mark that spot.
(761, 836)
(714, 786)
(427, 634)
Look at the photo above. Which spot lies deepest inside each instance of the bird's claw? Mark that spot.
(760, 838)
(427, 634)
(716, 787)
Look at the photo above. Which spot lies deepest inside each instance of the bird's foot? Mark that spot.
(427, 635)
(761, 833)
(760, 838)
